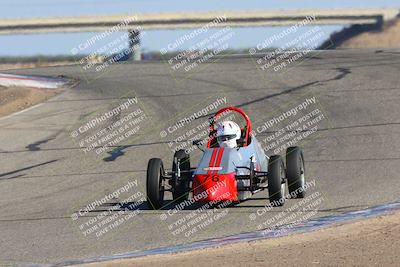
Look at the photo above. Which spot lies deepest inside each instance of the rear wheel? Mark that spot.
(276, 184)
(181, 184)
(295, 172)
(155, 183)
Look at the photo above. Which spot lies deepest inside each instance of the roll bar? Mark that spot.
(248, 128)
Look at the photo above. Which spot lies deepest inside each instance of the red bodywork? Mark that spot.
(215, 186)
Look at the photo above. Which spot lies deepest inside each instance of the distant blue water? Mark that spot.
(63, 43)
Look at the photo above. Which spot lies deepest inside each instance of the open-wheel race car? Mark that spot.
(227, 173)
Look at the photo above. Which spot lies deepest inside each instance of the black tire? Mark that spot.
(276, 172)
(181, 188)
(155, 183)
(295, 172)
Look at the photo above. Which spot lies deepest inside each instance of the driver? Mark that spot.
(227, 134)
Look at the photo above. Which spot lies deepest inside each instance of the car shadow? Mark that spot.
(167, 205)
(171, 205)
(146, 205)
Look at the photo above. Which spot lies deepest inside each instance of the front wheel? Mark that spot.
(276, 180)
(155, 183)
(295, 172)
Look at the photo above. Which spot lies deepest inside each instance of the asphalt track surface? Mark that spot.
(45, 176)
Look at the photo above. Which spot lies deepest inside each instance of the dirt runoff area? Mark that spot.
(372, 242)
(13, 99)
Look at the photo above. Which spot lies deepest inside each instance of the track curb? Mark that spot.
(46, 82)
(308, 226)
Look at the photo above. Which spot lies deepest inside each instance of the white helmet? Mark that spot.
(227, 134)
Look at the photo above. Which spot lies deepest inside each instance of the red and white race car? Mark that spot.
(227, 173)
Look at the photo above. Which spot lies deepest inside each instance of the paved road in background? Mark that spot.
(46, 177)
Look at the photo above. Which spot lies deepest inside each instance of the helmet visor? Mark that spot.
(224, 138)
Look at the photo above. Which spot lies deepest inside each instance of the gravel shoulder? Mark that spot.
(14, 99)
(371, 242)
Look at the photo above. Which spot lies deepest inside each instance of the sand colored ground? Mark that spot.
(388, 38)
(373, 242)
(13, 99)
